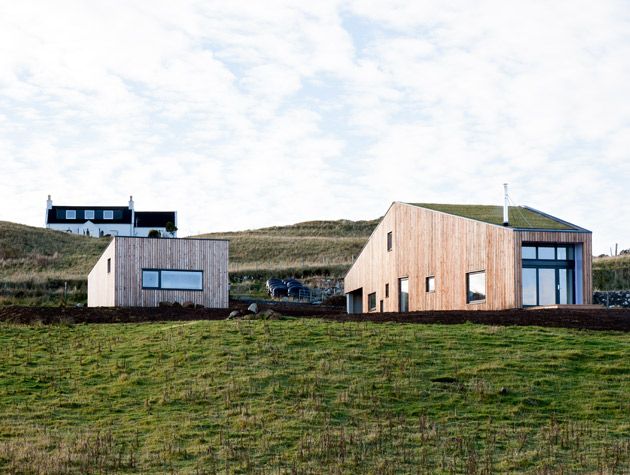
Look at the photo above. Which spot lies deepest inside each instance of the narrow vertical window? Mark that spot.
(389, 241)
(430, 284)
(403, 295)
(109, 265)
(386, 291)
(372, 302)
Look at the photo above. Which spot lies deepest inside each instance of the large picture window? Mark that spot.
(476, 287)
(167, 279)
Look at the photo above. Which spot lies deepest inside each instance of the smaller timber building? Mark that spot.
(142, 272)
(469, 257)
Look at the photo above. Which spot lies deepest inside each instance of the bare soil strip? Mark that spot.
(588, 319)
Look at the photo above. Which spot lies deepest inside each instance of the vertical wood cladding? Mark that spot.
(101, 284)
(135, 254)
(533, 237)
(431, 243)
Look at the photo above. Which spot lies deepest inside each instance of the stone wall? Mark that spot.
(613, 298)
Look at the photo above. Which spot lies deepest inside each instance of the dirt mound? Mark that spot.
(588, 319)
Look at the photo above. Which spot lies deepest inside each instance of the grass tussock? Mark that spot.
(312, 397)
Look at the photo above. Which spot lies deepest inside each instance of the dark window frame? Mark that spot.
(160, 270)
(429, 278)
(387, 290)
(390, 241)
(372, 298)
(485, 287)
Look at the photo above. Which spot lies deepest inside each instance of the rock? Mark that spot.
(165, 304)
(503, 390)
(234, 314)
(270, 315)
(176, 304)
(188, 304)
(198, 305)
(253, 308)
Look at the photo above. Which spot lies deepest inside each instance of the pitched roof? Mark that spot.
(520, 217)
(57, 214)
(154, 219)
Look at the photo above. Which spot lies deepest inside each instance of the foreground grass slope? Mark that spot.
(312, 397)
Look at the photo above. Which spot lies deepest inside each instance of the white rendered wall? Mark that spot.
(76, 228)
(101, 284)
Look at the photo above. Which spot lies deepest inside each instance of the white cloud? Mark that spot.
(244, 114)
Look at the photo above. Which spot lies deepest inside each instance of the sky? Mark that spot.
(244, 114)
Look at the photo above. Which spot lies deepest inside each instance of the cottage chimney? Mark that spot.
(48, 203)
(506, 220)
(131, 202)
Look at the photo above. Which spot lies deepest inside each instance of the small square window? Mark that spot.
(546, 253)
(430, 284)
(150, 279)
(372, 302)
(71, 214)
(389, 241)
(108, 214)
(88, 214)
(386, 291)
(528, 252)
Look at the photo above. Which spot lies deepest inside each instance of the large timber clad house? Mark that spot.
(465, 257)
(100, 221)
(142, 272)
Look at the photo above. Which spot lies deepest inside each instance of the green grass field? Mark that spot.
(306, 396)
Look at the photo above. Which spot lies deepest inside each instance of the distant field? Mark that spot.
(312, 397)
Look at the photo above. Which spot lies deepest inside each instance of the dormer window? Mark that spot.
(71, 214)
(108, 214)
(89, 214)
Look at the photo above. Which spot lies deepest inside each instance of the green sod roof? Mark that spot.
(519, 217)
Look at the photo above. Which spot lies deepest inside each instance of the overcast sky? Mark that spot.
(247, 114)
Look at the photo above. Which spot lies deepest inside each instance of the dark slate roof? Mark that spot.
(520, 217)
(122, 214)
(154, 219)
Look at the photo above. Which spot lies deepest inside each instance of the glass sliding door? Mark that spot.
(546, 286)
(548, 274)
(530, 291)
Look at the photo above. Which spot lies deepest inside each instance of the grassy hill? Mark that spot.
(304, 246)
(611, 273)
(310, 397)
(35, 263)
